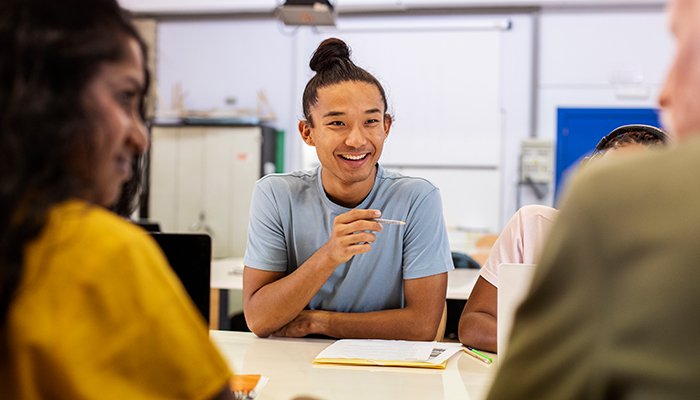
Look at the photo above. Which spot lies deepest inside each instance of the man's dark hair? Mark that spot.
(332, 64)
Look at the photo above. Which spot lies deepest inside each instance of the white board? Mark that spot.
(443, 88)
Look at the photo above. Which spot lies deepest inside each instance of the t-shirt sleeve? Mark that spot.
(426, 246)
(136, 334)
(521, 241)
(506, 249)
(266, 248)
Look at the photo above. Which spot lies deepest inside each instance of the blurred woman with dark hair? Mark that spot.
(88, 305)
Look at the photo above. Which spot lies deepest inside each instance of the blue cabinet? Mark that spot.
(580, 129)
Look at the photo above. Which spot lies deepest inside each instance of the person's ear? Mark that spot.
(305, 131)
(387, 125)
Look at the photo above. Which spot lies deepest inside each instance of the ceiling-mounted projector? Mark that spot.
(306, 12)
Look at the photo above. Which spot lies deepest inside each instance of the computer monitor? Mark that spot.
(150, 226)
(189, 254)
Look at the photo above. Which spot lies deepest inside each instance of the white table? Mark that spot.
(227, 273)
(289, 365)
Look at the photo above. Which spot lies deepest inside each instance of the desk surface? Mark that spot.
(289, 365)
(227, 273)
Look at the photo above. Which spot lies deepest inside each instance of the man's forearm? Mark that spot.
(401, 324)
(276, 303)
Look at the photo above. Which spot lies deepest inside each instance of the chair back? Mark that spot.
(483, 247)
(461, 260)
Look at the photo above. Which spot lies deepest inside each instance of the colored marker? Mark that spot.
(387, 221)
(478, 355)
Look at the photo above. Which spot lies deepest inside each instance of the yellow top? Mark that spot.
(99, 314)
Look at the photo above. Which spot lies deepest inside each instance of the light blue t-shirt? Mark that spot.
(291, 218)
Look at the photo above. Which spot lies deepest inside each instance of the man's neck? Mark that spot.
(350, 195)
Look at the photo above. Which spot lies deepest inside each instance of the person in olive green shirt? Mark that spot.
(612, 311)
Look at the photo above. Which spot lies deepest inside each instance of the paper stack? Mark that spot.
(392, 353)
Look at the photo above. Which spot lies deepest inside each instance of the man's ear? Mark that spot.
(305, 131)
(387, 125)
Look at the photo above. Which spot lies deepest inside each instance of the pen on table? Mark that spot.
(478, 355)
(387, 221)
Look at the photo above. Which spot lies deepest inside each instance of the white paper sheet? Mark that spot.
(391, 350)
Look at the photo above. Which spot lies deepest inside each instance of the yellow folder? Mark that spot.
(383, 363)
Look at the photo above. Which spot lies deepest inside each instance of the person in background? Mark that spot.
(612, 310)
(523, 238)
(89, 308)
(316, 262)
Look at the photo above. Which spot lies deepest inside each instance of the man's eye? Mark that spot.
(337, 123)
(372, 121)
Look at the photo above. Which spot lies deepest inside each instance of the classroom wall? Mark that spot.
(600, 59)
(216, 60)
(548, 59)
(448, 105)
(346, 6)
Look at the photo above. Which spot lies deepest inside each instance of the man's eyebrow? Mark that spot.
(333, 114)
(373, 111)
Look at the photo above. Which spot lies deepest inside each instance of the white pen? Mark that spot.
(387, 221)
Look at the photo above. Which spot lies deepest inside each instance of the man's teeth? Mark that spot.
(354, 158)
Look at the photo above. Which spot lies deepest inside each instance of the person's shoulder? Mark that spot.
(652, 177)
(104, 230)
(289, 180)
(92, 217)
(537, 211)
(399, 180)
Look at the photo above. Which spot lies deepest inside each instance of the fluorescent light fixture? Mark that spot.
(349, 25)
(306, 12)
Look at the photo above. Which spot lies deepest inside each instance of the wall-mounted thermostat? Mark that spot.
(536, 161)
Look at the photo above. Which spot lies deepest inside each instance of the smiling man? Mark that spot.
(316, 261)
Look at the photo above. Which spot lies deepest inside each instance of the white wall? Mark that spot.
(217, 59)
(600, 59)
(449, 124)
(585, 58)
(259, 6)
(446, 104)
(517, 93)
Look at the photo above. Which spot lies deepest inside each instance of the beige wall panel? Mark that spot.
(190, 170)
(163, 177)
(245, 171)
(218, 195)
(209, 171)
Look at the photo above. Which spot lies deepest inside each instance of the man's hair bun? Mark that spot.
(332, 64)
(330, 52)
